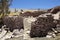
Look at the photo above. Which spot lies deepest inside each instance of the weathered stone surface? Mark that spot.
(27, 26)
(42, 26)
(14, 22)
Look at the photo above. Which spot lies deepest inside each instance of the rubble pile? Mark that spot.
(34, 14)
(37, 13)
(8, 35)
(42, 26)
(15, 22)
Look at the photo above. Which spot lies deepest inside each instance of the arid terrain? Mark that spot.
(31, 25)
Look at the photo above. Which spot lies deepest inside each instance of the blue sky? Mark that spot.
(35, 4)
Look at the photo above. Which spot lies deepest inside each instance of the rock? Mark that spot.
(54, 10)
(14, 22)
(42, 26)
(3, 33)
(48, 36)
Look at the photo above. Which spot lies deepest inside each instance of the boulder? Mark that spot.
(42, 26)
(14, 22)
